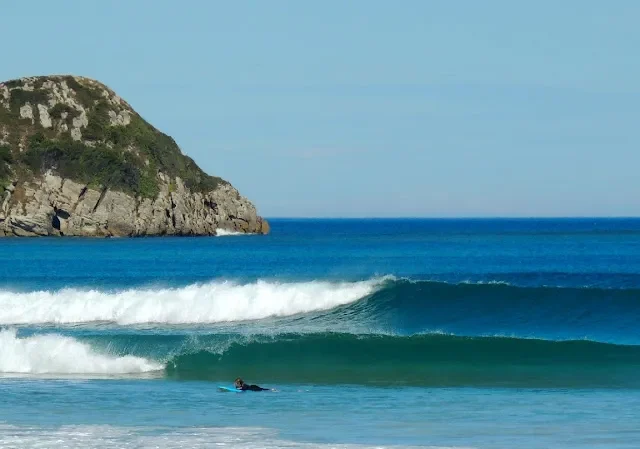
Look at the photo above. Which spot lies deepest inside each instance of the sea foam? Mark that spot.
(57, 354)
(107, 437)
(213, 302)
(226, 232)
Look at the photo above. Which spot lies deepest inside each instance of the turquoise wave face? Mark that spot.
(496, 308)
(425, 360)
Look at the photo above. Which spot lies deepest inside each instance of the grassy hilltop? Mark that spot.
(80, 129)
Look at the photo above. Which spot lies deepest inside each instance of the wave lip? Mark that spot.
(57, 354)
(214, 302)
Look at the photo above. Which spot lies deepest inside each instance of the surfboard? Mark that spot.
(230, 389)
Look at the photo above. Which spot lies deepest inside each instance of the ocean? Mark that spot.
(467, 333)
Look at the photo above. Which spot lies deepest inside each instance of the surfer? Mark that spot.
(240, 385)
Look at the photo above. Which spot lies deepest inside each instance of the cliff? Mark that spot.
(77, 160)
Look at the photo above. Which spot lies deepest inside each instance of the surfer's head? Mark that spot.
(239, 383)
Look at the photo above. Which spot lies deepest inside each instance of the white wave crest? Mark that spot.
(57, 354)
(225, 232)
(214, 302)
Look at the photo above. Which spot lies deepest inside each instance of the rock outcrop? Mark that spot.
(51, 205)
(76, 160)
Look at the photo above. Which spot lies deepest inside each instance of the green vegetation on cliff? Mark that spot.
(97, 166)
(6, 158)
(88, 135)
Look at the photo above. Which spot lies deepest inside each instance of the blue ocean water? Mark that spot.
(374, 333)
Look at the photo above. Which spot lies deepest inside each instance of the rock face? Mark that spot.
(79, 161)
(52, 205)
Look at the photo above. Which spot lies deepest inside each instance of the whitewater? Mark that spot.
(229, 233)
(214, 302)
(57, 354)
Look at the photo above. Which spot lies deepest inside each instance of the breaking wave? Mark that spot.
(383, 331)
(435, 360)
(57, 354)
(214, 302)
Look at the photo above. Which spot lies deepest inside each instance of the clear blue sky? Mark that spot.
(367, 108)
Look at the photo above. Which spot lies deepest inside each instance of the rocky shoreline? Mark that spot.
(53, 206)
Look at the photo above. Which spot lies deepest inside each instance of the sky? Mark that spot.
(370, 108)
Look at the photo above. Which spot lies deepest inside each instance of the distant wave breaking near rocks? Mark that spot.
(225, 232)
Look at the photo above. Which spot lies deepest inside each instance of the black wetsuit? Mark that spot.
(253, 388)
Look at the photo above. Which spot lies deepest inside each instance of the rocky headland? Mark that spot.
(77, 160)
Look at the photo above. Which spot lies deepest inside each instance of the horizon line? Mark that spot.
(479, 217)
